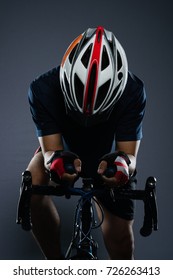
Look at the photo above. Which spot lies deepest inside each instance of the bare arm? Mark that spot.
(49, 144)
(52, 143)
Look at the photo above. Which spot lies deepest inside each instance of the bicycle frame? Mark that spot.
(82, 245)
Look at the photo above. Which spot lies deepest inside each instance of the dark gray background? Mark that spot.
(33, 38)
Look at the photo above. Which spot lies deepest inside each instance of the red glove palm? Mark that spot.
(62, 162)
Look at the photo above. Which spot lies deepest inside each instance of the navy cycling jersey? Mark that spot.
(90, 143)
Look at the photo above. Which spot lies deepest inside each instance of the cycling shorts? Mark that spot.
(123, 208)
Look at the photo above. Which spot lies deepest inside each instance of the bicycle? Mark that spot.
(82, 245)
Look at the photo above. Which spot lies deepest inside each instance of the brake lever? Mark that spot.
(23, 209)
(150, 208)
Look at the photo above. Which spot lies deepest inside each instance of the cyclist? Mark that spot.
(88, 112)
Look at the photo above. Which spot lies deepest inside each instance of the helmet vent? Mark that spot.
(111, 46)
(119, 61)
(102, 92)
(105, 59)
(67, 85)
(79, 88)
(114, 93)
(86, 56)
(71, 55)
(91, 88)
(120, 75)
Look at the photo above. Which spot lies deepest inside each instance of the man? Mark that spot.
(84, 106)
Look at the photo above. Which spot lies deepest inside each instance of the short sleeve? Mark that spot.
(46, 104)
(129, 126)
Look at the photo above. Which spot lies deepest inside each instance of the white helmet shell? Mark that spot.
(93, 74)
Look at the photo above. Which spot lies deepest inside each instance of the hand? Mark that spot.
(64, 166)
(119, 163)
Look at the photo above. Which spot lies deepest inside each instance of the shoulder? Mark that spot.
(134, 93)
(47, 81)
(133, 79)
(133, 98)
(135, 87)
(45, 91)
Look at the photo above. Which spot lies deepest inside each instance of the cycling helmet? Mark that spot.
(93, 75)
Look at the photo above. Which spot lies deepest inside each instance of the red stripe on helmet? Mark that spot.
(91, 84)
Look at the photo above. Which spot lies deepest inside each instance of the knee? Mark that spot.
(37, 169)
(125, 245)
(40, 203)
(39, 177)
(122, 248)
(120, 243)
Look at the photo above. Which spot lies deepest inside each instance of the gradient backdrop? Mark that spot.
(33, 38)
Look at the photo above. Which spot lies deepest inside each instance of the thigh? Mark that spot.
(113, 224)
(122, 208)
(37, 169)
(117, 235)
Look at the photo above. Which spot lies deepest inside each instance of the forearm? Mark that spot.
(47, 157)
(49, 144)
(132, 165)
